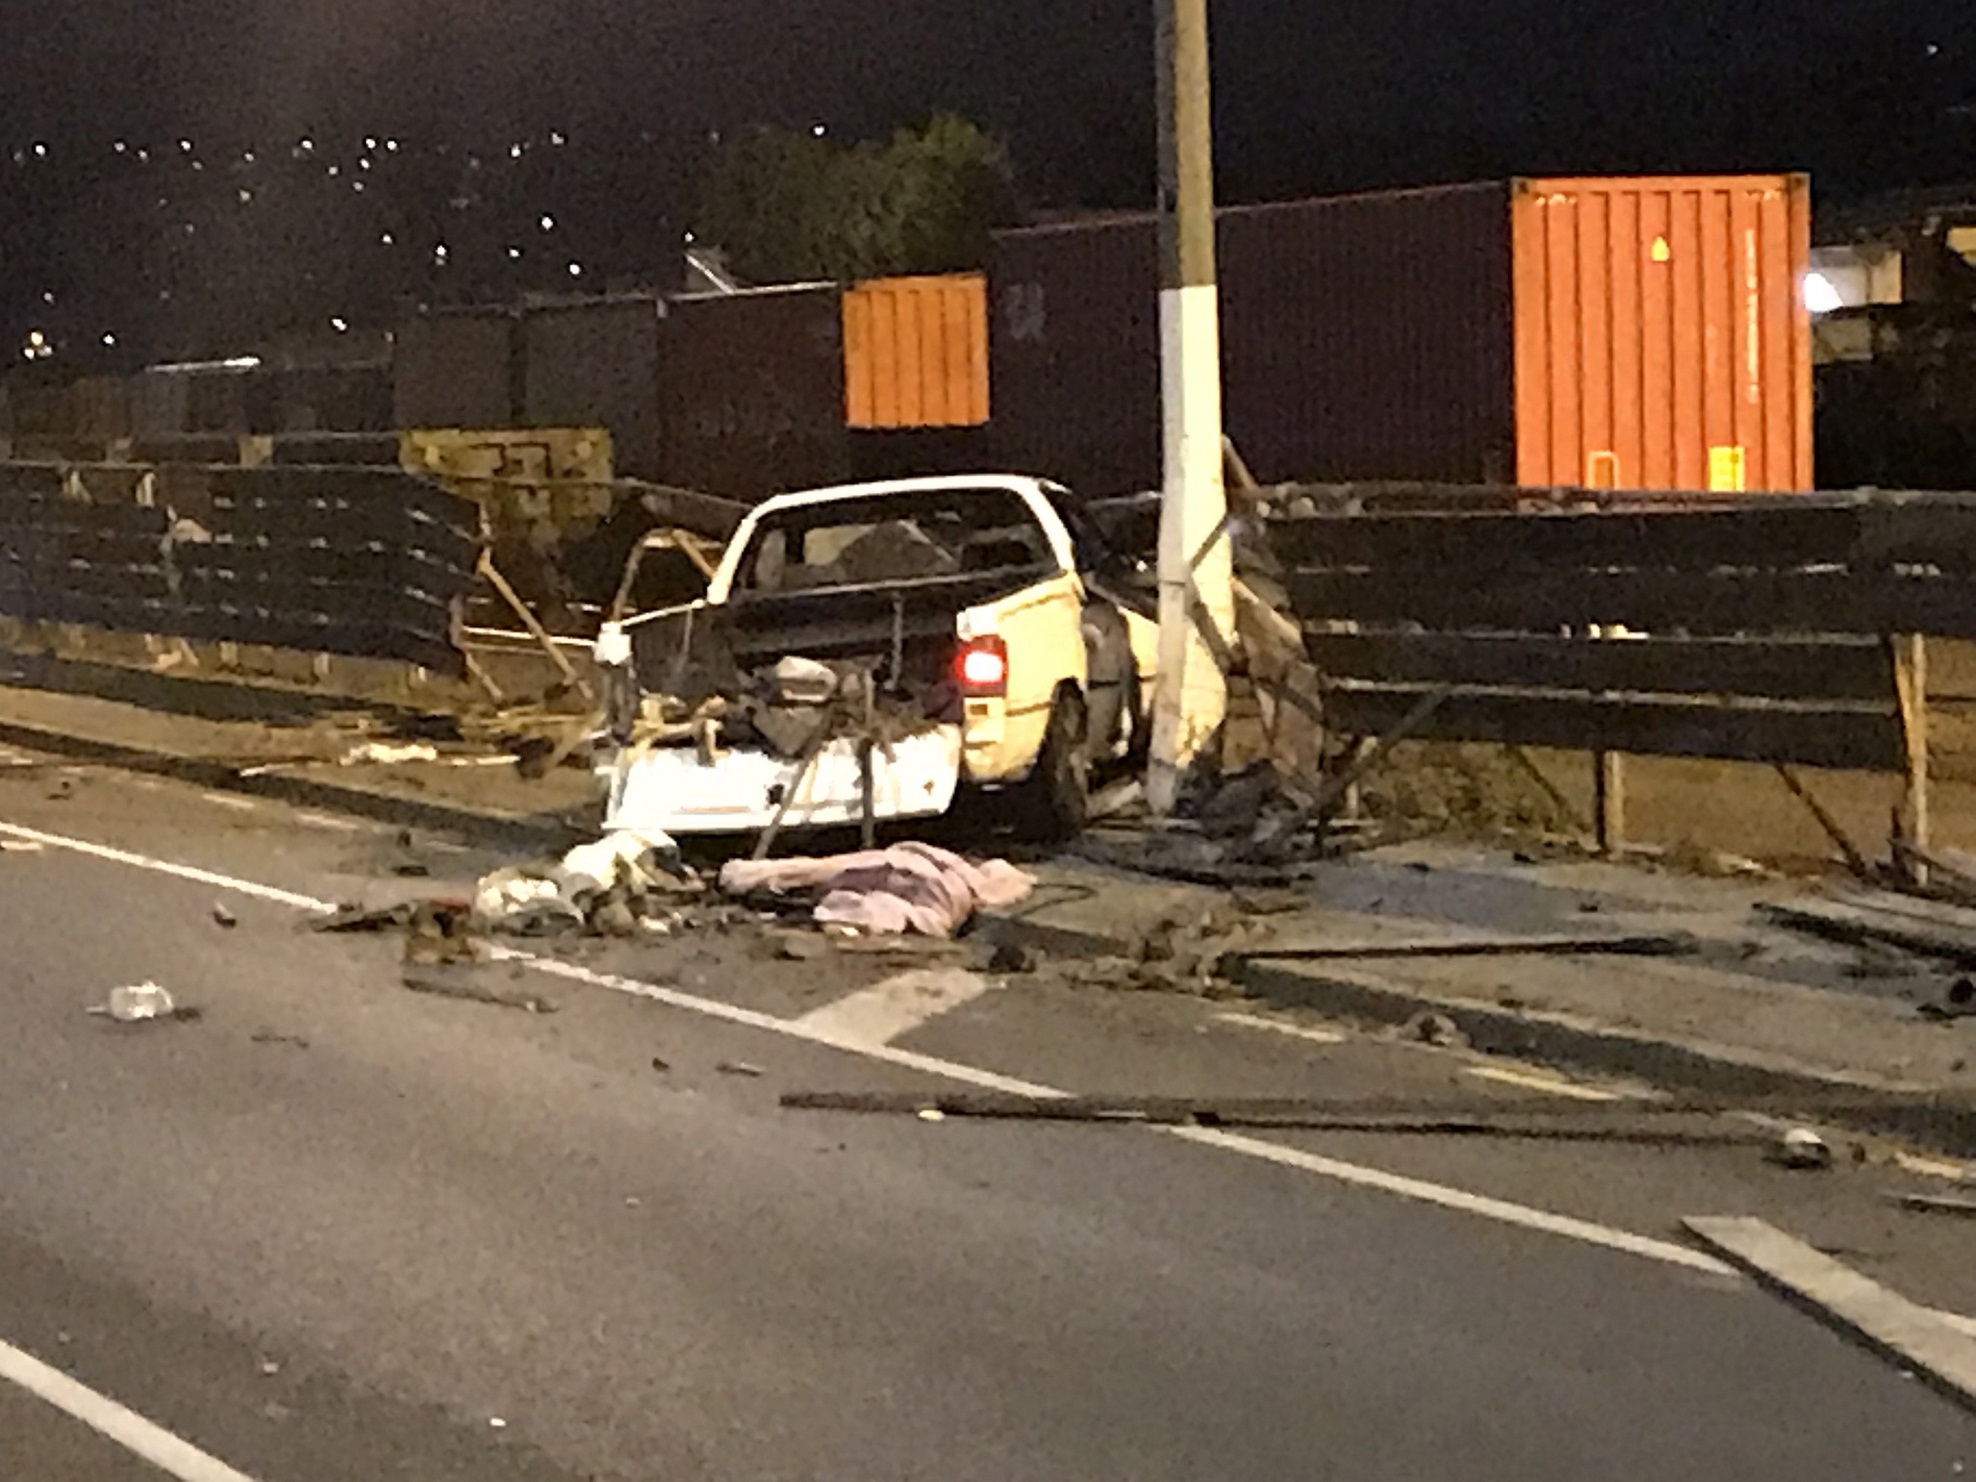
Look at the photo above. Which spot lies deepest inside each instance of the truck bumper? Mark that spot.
(671, 790)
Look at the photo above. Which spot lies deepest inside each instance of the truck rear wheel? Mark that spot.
(1055, 801)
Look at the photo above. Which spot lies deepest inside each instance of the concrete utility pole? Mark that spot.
(1195, 570)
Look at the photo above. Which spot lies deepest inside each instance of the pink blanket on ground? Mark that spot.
(906, 888)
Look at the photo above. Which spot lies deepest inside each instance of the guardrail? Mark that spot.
(1785, 629)
(364, 562)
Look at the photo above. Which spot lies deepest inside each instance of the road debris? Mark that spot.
(1011, 958)
(350, 919)
(1936, 1204)
(1958, 1001)
(468, 991)
(1913, 1336)
(144, 1003)
(1571, 944)
(932, 1114)
(910, 887)
(275, 1037)
(223, 918)
(740, 1068)
(439, 932)
(1637, 1122)
(1929, 928)
(1801, 1148)
(384, 754)
(1435, 1029)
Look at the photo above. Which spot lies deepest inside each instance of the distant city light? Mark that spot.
(391, 145)
(37, 346)
(48, 298)
(576, 270)
(109, 340)
(439, 253)
(334, 171)
(245, 196)
(557, 139)
(516, 151)
(388, 240)
(185, 146)
(548, 223)
(41, 151)
(819, 131)
(307, 146)
(121, 147)
(514, 254)
(340, 324)
(371, 144)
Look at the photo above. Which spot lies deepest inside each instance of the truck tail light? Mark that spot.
(982, 667)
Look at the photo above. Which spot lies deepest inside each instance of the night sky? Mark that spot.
(1869, 96)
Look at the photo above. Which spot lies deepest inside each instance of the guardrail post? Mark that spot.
(1609, 793)
(1911, 686)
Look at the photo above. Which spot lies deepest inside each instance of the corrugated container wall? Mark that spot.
(456, 368)
(916, 352)
(755, 392)
(1662, 339)
(1368, 337)
(1430, 334)
(1074, 329)
(598, 363)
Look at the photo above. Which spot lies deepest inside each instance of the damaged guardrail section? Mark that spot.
(1754, 628)
(369, 563)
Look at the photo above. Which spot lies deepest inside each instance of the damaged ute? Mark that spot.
(864, 653)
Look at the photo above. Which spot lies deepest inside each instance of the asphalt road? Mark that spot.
(336, 1230)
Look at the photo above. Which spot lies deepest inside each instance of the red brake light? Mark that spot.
(982, 667)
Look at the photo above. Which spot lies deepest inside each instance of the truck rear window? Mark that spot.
(893, 538)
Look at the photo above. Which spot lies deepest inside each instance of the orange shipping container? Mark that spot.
(916, 352)
(1633, 333)
(1661, 336)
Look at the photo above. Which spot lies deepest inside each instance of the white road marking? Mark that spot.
(1457, 1199)
(967, 1075)
(230, 800)
(1530, 1080)
(1276, 1026)
(1844, 1298)
(1419, 1190)
(128, 1429)
(884, 1012)
(323, 820)
(166, 867)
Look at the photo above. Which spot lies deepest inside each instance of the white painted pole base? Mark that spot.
(1195, 566)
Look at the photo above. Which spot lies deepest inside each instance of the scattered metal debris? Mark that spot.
(1435, 1029)
(1936, 1204)
(144, 1003)
(1638, 1122)
(469, 991)
(1801, 1148)
(384, 754)
(1958, 1001)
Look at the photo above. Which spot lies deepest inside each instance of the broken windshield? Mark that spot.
(881, 538)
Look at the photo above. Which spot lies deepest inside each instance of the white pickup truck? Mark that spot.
(868, 651)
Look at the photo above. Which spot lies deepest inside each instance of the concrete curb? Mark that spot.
(494, 830)
(1934, 1119)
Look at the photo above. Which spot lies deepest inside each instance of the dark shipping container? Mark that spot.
(599, 363)
(755, 392)
(456, 368)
